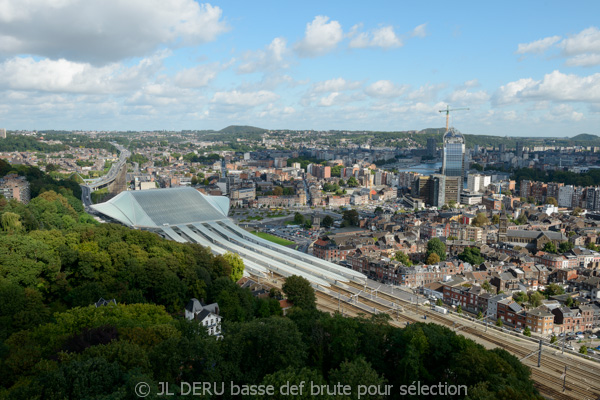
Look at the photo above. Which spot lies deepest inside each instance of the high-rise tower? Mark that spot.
(453, 162)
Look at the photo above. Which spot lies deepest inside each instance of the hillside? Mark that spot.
(239, 129)
(586, 137)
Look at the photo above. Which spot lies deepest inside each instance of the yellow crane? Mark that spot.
(447, 111)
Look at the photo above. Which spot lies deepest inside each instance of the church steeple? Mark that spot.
(502, 227)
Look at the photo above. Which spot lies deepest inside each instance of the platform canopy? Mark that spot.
(164, 207)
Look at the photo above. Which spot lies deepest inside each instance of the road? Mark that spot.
(86, 190)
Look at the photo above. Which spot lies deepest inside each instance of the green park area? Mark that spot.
(273, 238)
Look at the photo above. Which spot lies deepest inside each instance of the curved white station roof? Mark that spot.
(184, 214)
(164, 207)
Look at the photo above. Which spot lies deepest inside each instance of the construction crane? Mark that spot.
(447, 111)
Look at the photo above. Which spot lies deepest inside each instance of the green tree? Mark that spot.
(433, 258)
(499, 323)
(569, 301)
(352, 182)
(459, 309)
(341, 182)
(350, 217)
(553, 339)
(565, 246)
(471, 255)
(480, 220)
(535, 299)
(495, 219)
(520, 297)
(486, 286)
(237, 265)
(583, 350)
(435, 245)
(327, 222)
(439, 302)
(552, 201)
(549, 247)
(522, 219)
(11, 222)
(299, 291)
(336, 170)
(355, 373)
(479, 315)
(403, 258)
(554, 289)
(283, 379)
(298, 219)
(527, 331)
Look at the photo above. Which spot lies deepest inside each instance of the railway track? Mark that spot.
(582, 382)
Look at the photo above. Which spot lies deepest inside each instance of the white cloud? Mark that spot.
(555, 86)
(538, 46)
(245, 99)
(196, 77)
(420, 31)
(273, 57)
(583, 60)
(563, 112)
(426, 92)
(25, 73)
(335, 85)
(320, 37)
(510, 92)
(472, 83)
(385, 89)
(382, 37)
(104, 31)
(586, 41)
(465, 97)
(329, 99)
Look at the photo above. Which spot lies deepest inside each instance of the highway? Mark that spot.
(86, 190)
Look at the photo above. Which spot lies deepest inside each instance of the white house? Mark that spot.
(207, 315)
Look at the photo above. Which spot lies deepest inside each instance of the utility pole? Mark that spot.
(540, 354)
(565, 379)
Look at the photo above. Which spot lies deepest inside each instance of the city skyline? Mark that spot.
(189, 65)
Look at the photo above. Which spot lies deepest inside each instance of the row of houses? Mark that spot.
(553, 316)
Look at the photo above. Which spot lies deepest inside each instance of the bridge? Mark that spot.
(115, 180)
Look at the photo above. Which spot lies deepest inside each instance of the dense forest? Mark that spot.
(28, 143)
(56, 261)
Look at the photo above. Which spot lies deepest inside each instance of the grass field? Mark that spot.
(273, 238)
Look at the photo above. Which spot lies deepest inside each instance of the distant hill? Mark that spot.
(238, 129)
(585, 137)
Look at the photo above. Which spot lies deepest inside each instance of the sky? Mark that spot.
(522, 68)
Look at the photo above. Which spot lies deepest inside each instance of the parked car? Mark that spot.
(593, 337)
(579, 333)
(520, 330)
